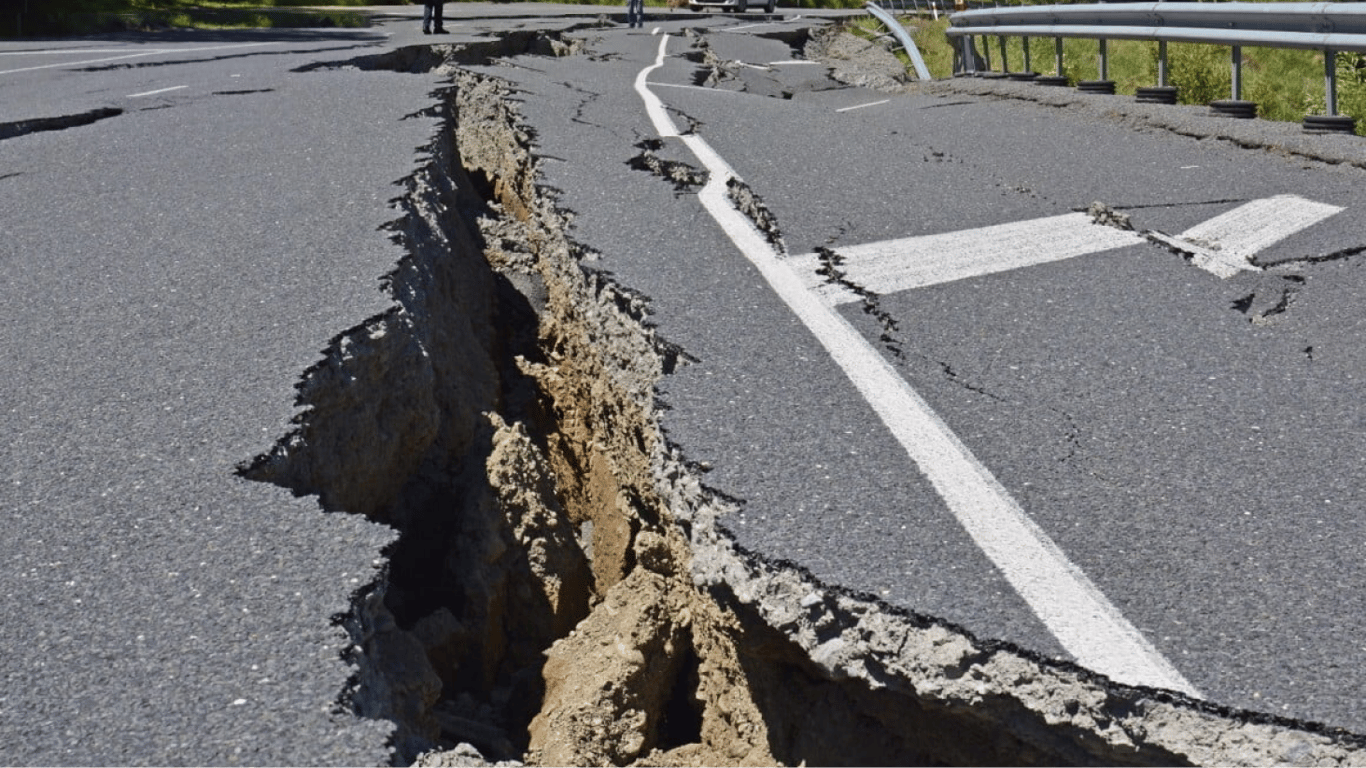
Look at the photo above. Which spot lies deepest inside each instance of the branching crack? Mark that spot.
(832, 270)
(684, 177)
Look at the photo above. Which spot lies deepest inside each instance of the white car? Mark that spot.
(738, 6)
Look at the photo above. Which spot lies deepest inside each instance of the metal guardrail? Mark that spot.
(1328, 27)
(902, 37)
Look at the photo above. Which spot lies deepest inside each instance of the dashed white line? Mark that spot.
(1072, 608)
(863, 106)
(159, 90)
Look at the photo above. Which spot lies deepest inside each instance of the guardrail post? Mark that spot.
(1236, 107)
(1057, 78)
(1330, 81)
(1104, 84)
(1332, 122)
(1025, 41)
(1161, 93)
(969, 59)
(1005, 59)
(1237, 72)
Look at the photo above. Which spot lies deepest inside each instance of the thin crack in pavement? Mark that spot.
(40, 124)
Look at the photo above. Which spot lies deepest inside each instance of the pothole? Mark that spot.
(562, 592)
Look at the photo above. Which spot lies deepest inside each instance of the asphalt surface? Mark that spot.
(167, 275)
(1198, 466)
(170, 270)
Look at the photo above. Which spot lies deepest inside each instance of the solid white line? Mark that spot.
(153, 93)
(861, 106)
(1077, 614)
(77, 63)
(1229, 241)
(915, 262)
(792, 61)
(119, 58)
(701, 88)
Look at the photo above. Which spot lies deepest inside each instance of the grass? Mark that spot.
(1286, 84)
(65, 17)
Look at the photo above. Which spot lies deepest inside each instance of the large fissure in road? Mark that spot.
(560, 592)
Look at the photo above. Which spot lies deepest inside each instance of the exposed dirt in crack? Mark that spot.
(562, 591)
(684, 177)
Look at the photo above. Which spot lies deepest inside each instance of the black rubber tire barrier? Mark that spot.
(993, 75)
(1023, 76)
(1330, 124)
(1243, 110)
(1050, 80)
(1096, 86)
(1157, 94)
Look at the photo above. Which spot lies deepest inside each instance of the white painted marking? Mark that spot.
(791, 62)
(74, 63)
(1221, 265)
(139, 54)
(1226, 244)
(683, 87)
(1077, 614)
(916, 262)
(862, 106)
(159, 90)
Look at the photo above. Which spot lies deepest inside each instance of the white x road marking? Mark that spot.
(1223, 246)
(1074, 610)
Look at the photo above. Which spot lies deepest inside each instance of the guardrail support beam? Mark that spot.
(1330, 81)
(1057, 53)
(1237, 73)
(1162, 63)
(1104, 60)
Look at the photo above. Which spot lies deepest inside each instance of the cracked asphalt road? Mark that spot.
(1192, 443)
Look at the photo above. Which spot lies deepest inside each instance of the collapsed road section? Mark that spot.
(560, 592)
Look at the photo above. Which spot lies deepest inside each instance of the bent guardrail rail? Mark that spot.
(1328, 27)
(902, 37)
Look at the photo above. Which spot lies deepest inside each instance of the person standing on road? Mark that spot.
(635, 13)
(431, 18)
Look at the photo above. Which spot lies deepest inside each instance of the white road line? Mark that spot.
(1077, 614)
(915, 262)
(1226, 244)
(159, 90)
(139, 54)
(681, 86)
(78, 63)
(862, 106)
(790, 62)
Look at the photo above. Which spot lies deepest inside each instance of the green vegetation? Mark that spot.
(1286, 84)
(58, 17)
